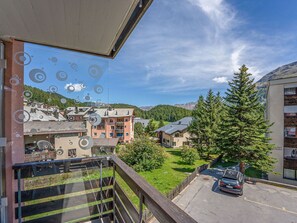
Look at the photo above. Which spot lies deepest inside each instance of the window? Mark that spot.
(126, 120)
(111, 134)
(290, 174)
(290, 132)
(112, 127)
(95, 133)
(71, 153)
(127, 133)
(177, 135)
(111, 120)
(102, 135)
(173, 143)
(290, 91)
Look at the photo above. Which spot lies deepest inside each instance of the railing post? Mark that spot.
(19, 197)
(113, 187)
(140, 207)
(101, 192)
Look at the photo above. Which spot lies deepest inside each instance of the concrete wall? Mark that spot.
(171, 139)
(275, 114)
(67, 143)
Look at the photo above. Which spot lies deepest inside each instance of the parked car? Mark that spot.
(232, 182)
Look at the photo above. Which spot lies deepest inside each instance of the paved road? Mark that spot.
(260, 203)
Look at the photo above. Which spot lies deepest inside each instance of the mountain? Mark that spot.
(285, 71)
(146, 108)
(168, 113)
(189, 106)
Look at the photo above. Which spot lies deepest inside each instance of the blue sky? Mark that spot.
(179, 50)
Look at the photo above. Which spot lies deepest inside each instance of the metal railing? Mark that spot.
(83, 189)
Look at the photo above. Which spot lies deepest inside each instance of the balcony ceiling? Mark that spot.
(93, 26)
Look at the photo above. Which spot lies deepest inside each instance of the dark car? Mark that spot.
(232, 182)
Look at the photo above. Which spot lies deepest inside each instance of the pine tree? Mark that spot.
(161, 124)
(196, 126)
(244, 129)
(150, 128)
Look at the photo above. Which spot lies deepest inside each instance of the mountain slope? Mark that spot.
(285, 71)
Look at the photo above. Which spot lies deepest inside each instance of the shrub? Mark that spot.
(189, 155)
(143, 154)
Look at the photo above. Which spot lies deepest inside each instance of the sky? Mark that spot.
(178, 51)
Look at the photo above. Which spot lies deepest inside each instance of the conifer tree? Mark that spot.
(243, 131)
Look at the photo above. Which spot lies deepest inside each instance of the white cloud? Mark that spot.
(194, 45)
(74, 87)
(220, 80)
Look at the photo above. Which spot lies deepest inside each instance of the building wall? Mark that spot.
(175, 141)
(275, 115)
(70, 143)
(114, 127)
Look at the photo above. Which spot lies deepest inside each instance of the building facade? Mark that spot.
(115, 123)
(281, 110)
(175, 134)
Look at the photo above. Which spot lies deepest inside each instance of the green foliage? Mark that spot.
(189, 155)
(167, 113)
(204, 128)
(150, 128)
(161, 112)
(52, 99)
(143, 154)
(244, 129)
(161, 124)
(138, 130)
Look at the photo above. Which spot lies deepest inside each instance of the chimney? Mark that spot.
(76, 109)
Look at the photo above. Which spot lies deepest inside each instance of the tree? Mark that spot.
(189, 155)
(196, 126)
(244, 129)
(143, 154)
(150, 128)
(161, 124)
(138, 130)
(206, 121)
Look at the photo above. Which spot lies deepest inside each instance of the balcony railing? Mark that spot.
(120, 124)
(39, 156)
(290, 100)
(90, 189)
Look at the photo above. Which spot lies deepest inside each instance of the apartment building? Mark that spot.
(115, 123)
(54, 140)
(77, 114)
(175, 134)
(282, 112)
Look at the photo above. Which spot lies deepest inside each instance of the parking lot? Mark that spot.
(260, 203)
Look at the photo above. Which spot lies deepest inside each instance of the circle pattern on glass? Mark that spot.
(70, 88)
(61, 75)
(22, 58)
(27, 94)
(37, 75)
(70, 118)
(60, 152)
(74, 66)
(94, 119)
(15, 80)
(21, 116)
(98, 89)
(63, 100)
(53, 89)
(87, 97)
(85, 142)
(53, 59)
(33, 130)
(95, 71)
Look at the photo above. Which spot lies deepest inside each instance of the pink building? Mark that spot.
(116, 123)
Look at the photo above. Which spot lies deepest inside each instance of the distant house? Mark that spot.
(115, 123)
(175, 134)
(77, 114)
(144, 122)
(61, 140)
(43, 114)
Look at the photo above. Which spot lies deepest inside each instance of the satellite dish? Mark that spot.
(44, 145)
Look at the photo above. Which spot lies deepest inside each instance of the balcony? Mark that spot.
(89, 190)
(290, 121)
(290, 163)
(290, 142)
(118, 130)
(290, 100)
(120, 124)
(39, 156)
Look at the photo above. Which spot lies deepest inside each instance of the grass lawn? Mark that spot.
(250, 172)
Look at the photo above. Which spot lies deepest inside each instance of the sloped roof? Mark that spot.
(47, 127)
(117, 112)
(112, 142)
(178, 126)
(144, 122)
(39, 115)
